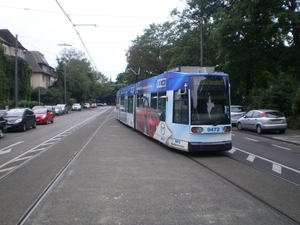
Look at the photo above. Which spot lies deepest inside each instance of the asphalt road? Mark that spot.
(88, 168)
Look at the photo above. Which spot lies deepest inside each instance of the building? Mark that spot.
(43, 75)
(8, 41)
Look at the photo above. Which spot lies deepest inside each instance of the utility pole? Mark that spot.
(201, 41)
(16, 73)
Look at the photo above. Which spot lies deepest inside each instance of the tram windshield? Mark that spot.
(209, 100)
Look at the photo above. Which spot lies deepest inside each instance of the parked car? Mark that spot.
(57, 110)
(37, 106)
(50, 107)
(263, 120)
(44, 115)
(93, 105)
(76, 107)
(3, 123)
(86, 106)
(236, 112)
(64, 108)
(20, 119)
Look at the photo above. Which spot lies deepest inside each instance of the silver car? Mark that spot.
(263, 120)
(236, 112)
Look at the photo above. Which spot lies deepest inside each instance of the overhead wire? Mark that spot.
(74, 26)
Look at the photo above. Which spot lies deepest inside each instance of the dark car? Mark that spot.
(3, 123)
(261, 120)
(20, 119)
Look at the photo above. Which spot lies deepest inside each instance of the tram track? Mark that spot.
(60, 174)
(247, 191)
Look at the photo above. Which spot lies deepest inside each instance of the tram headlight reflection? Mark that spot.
(197, 130)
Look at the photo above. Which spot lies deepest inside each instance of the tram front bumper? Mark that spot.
(204, 146)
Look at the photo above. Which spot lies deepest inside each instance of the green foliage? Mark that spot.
(7, 79)
(256, 42)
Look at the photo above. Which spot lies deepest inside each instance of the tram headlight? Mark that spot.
(196, 129)
(226, 129)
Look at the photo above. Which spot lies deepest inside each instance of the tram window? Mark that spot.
(130, 104)
(122, 104)
(154, 100)
(180, 108)
(126, 105)
(162, 101)
(140, 101)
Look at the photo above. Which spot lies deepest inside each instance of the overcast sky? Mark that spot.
(41, 25)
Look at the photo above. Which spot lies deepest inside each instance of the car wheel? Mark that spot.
(1, 133)
(24, 127)
(239, 126)
(282, 131)
(258, 129)
(52, 121)
(47, 121)
(34, 125)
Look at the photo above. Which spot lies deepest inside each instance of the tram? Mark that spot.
(187, 108)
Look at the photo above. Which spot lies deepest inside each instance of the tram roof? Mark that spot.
(170, 80)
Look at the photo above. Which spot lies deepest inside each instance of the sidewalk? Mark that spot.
(123, 177)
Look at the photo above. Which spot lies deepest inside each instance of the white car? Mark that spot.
(86, 106)
(236, 112)
(76, 107)
(261, 120)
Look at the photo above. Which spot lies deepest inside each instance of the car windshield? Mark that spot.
(40, 111)
(14, 113)
(2, 112)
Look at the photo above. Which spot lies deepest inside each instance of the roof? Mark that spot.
(7, 38)
(37, 61)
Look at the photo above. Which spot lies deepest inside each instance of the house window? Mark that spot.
(6, 49)
(43, 78)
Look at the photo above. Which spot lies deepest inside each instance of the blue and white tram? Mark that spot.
(183, 110)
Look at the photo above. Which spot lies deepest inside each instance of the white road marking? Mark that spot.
(5, 151)
(24, 158)
(277, 168)
(278, 146)
(250, 139)
(7, 169)
(11, 145)
(232, 150)
(251, 158)
(37, 149)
